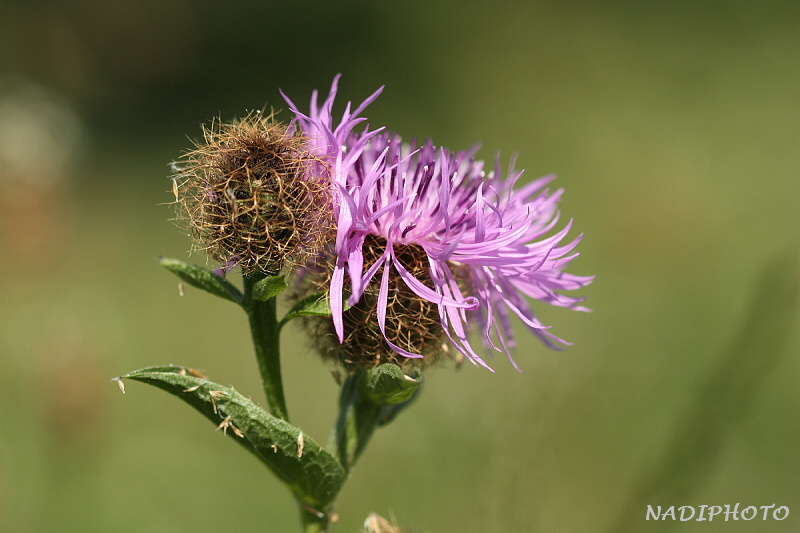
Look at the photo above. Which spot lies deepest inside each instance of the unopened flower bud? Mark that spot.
(253, 195)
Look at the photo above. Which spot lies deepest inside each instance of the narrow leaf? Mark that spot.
(269, 287)
(316, 304)
(202, 278)
(311, 472)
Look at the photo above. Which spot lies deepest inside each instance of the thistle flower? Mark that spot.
(429, 247)
(253, 196)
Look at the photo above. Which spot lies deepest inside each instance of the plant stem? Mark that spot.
(266, 340)
(357, 421)
(313, 521)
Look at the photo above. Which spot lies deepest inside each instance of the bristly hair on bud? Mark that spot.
(253, 195)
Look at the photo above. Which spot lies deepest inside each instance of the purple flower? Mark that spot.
(483, 246)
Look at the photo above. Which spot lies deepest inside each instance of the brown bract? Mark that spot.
(253, 195)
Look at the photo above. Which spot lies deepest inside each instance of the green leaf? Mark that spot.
(269, 287)
(313, 305)
(202, 278)
(311, 472)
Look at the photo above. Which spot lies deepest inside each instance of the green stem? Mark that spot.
(358, 418)
(313, 521)
(266, 340)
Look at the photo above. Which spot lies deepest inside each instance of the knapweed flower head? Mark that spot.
(430, 248)
(253, 196)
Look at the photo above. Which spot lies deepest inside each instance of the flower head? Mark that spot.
(253, 196)
(429, 246)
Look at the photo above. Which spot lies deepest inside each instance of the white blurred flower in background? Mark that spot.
(42, 141)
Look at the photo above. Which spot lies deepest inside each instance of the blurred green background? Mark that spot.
(674, 130)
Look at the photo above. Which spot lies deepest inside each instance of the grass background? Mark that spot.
(674, 130)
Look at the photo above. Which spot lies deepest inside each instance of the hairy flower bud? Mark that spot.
(253, 195)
